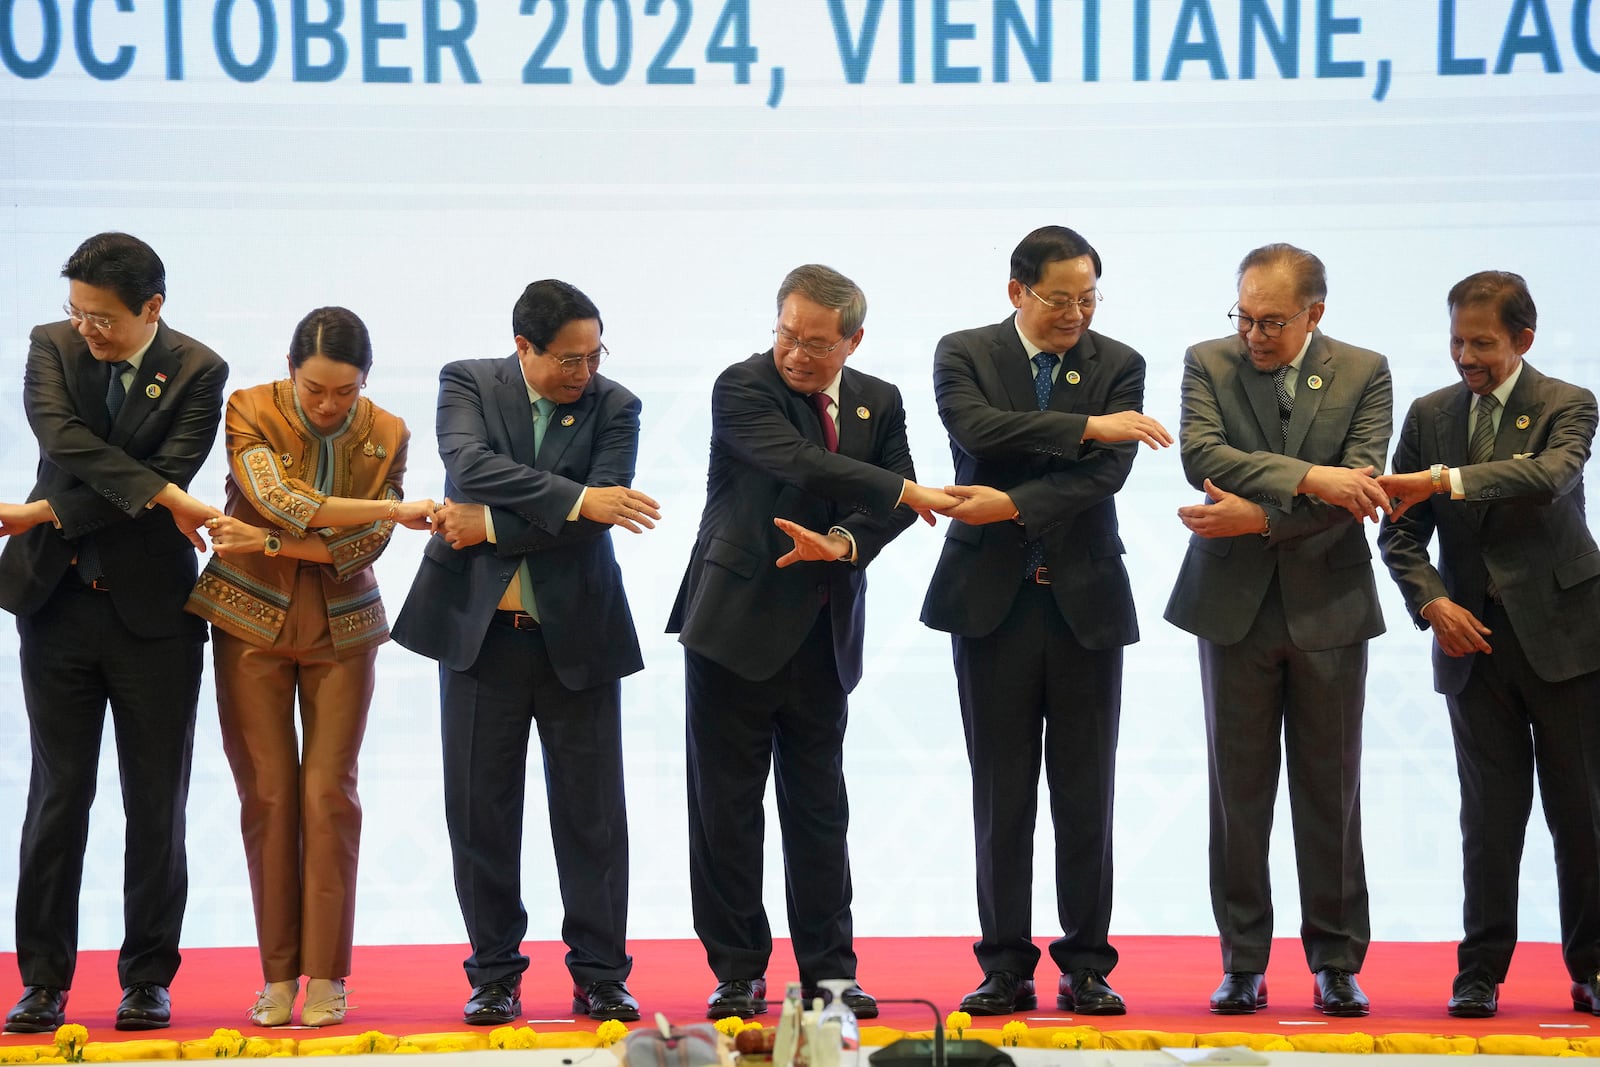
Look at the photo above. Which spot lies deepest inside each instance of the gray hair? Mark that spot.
(826, 286)
(1310, 276)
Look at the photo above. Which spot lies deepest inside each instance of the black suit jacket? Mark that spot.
(1062, 485)
(98, 476)
(485, 433)
(735, 606)
(1522, 525)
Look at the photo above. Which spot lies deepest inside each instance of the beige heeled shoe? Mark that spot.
(325, 1002)
(275, 1003)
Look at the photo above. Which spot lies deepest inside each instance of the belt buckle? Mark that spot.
(99, 585)
(1041, 576)
(521, 620)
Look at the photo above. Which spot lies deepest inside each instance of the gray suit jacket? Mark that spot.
(1522, 525)
(1229, 432)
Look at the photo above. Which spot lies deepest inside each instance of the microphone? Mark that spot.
(920, 1052)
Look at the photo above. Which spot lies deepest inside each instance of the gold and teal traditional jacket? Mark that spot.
(272, 464)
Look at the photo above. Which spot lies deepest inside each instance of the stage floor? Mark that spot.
(417, 989)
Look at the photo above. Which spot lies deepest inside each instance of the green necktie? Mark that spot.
(543, 408)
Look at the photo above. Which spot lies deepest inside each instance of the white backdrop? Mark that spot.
(360, 157)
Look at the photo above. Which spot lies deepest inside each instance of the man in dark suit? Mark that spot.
(1494, 466)
(520, 600)
(810, 478)
(1044, 421)
(125, 409)
(1283, 428)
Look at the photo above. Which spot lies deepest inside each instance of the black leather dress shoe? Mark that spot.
(145, 1006)
(1088, 993)
(1337, 992)
(1473, 995)
(743, 997)
(606, 999)
(1002, 993)
(1585, 995)
(494, 1003)
(41, 1009)
(1241, 993)
(863, 1004)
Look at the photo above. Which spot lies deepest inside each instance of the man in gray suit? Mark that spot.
(1283, 428)
(1494, 466)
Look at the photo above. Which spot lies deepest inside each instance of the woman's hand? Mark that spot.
(415, 514)
(230, 536)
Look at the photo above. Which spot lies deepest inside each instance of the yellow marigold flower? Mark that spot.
(957, 1022)
(502, 1036)
(71, 1034)
(1013, 1032)
(731, 1025)
(450, 1044)
(610, 1032)
(49, 1059)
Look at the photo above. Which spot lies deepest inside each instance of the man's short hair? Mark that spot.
(1310, 276)
(1047, 245)
(547, 305)
(826, 286)
(1505, 291)
(121, 263)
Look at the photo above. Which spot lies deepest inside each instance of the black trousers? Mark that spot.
(1509, 724)
(78, 657)
(488, 715)
(793, 723)
(1030, 694)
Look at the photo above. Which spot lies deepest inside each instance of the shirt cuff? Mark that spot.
(577, 507)
(848, 536)
(1457, 490)
(488, 522)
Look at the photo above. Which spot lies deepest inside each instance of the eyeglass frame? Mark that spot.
(570, 364)
(1270, 328)
(784, 341)
(1085, 304)
(97, 322)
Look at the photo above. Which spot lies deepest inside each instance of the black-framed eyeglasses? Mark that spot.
(1084, 303)
(99, 322)
(570, 364)
(1270, 328)
(784, 341)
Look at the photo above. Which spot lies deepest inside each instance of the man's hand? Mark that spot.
(979, 505)
(617, 505)
(20, 518)
(926, 500)
(1354, 490)
(1404, 490)
(461, 525)
(1458, 631)
(810, 545)
(415, 514)
(1126, 426)
(188, 512)
(1228, 515)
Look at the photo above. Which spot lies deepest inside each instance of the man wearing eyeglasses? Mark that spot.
(1283, 429)
(1044, 422)
(810, 477)
(125, 409)
(520, 599)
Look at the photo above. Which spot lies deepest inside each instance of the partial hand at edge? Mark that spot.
(618, 505)
(20, 518)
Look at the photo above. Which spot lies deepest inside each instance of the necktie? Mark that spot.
(1045, 362)
(544, 408)
(830, 431)
(1280, 389)
(116, 391)
(1481, 449)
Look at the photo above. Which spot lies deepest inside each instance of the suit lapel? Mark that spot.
(1016, 372)
(1259, 397)
(853, 417)
(1317, 372)
(1082, 360)
(1450, 427)
(511, 396)
(566, 422)
(90, 386)
(1521, 415)
(158, 367)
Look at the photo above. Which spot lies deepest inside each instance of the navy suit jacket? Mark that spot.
(99, 475)
(1522, 525)
(1063, 486)
(485, 434)
(735, 606)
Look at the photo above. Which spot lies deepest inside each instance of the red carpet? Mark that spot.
(415, 989)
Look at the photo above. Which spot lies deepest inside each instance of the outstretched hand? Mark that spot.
(810, 545)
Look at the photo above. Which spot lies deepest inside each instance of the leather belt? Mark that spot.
(97, 584)
(517, 620)
(1040, 576)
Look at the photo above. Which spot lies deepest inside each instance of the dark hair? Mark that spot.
(1506, 291)
(546, 306)
(832, 290)
(335, 333)
(1047, 245)
(122, 263)
(1310, 276)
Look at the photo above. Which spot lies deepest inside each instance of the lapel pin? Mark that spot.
(382, 452)
(288, 460)
(1522, 422)
(369, 449)
(152, 390)
(1073, 377)
(568, 420)
(1315, 381)
(862, 413)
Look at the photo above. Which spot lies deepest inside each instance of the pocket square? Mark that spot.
(1524, 455)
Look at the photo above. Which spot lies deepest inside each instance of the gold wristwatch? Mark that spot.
(271, 544)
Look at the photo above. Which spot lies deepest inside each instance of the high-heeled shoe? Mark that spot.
(325, 1002)
(275, 1003)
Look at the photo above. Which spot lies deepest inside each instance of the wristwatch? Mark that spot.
(271, 544)
(1436, 472)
